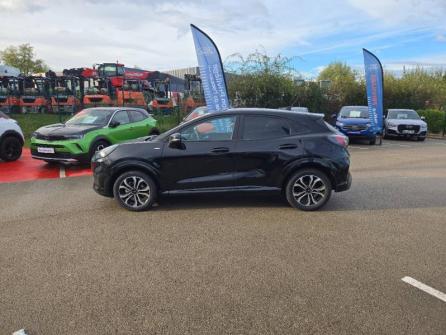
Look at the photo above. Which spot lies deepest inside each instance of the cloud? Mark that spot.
(441, 37)
(156, 34)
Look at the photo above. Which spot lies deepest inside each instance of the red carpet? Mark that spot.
(27, 168)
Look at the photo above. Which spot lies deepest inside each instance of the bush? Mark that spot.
(435, 119)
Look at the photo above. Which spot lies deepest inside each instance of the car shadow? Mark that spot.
(364, 195)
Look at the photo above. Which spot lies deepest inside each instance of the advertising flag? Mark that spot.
(211, 71)
(375, 90)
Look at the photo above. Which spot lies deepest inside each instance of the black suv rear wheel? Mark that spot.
(10, 149)
(308, 189)
(135, 191)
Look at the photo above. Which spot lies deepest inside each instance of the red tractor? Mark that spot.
(9, 94)
(35, 95)
(94, 90)
(128, 84)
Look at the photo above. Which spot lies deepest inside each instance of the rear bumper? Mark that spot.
(344, 185)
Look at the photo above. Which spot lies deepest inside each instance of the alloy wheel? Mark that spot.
(134, 191)
(309, 190)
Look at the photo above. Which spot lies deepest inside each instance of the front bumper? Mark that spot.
(357, 133)
(396, 133)
(68, 151)
(101, 177)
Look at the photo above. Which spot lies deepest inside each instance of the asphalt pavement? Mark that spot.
(72, 262)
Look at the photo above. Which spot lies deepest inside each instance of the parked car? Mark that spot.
(11, 139)
(236, 150)
(90, 130)
(354, 122)
(405, 123)
(296, 109)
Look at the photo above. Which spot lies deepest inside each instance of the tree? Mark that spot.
(260, 80)
(346, 86)
(23, 58)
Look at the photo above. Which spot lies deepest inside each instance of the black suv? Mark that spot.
(235, 150)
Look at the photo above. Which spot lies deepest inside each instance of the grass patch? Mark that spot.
(31, 122)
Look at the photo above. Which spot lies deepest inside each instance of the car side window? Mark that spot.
(137, 116)
(266, 127)
(122, 117)
(218, 129)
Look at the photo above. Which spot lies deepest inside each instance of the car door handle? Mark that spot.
(288, 146)
(220, 150)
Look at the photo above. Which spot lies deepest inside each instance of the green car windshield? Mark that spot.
(91, 117)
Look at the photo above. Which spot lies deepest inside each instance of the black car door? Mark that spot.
(266, 144)
(205, 157)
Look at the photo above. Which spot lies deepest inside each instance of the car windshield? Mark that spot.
(97, 117)
(199, 111)
(360, 112)
(402, 114)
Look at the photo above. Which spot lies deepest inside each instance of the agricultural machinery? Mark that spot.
(9, 94)
(64, 93)
(34, 95)
(193, 92)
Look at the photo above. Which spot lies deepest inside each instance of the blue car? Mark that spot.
(354, 122)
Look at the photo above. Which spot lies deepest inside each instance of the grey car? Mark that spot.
(405, 123)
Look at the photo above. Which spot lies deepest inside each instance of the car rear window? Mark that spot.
(266, 127)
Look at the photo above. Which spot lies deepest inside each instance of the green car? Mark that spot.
(89, 131)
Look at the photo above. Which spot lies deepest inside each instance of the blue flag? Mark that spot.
(375, 88)
(211, 71)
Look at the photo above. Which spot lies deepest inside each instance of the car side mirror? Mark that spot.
(423, 118)
(334, 116)
(114, 124)
(175, 141)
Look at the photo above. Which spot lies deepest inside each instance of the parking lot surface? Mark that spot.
(73, 262)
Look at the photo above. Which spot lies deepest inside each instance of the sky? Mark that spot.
(155, 35)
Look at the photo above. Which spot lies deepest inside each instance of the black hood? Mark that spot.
(60, 129)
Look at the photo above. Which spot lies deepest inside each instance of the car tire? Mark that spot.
(97, 146)
(385, 136)
(308, 189)
(135, 191)
(372, 141)
(10, 149)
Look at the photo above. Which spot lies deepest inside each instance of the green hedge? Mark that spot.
(436, 119)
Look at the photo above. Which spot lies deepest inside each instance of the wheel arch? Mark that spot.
(12, 133)
(97, 139)
(133, 165)
(317, 164)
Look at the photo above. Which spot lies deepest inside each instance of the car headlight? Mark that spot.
(390, 124)
(424, 126)
(74, 137)
(34, 134)
(107, 151)
(339, 124)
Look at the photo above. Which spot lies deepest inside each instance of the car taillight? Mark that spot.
(341, 139)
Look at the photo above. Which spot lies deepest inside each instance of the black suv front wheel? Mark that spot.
(308, 189)
(135, 191)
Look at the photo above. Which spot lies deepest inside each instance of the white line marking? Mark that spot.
(19, 332)
(62, 172)
(425, 288)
